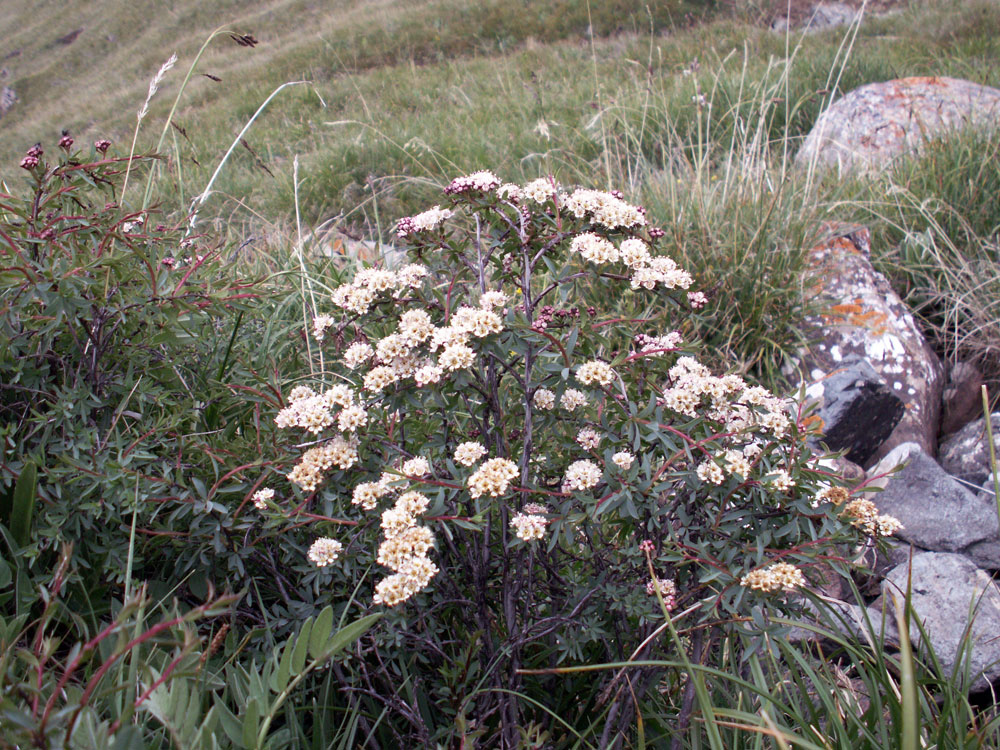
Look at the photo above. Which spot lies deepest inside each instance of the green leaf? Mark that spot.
(23, 506)
(251, 718)
(350, 633)
(279, 679)
(301, 647)
(230, 723)
(129, 737)
(321, 631)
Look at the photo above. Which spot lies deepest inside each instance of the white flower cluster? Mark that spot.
(730, 401)
(544, 399)
(635, 253)
(404, 551)
(483, 182)
(780, 576)
(663, 271)
(581, 476)
(262, 497)
(429, 219)
(588, 438)
(605, 209)
(594, 248)
(469, 453)
(307, 409)
(528, 526)
(492, 299)
(781, 480)
(864, 515)
(572, 399)
(320, 324)
(324, 551)
(595, 371)
(360, 294)
(310, 471)
(657, 346)
(357, 354)
(477, 322)
(493, 478)
(541, 190)
(367, 494)
(623, 460)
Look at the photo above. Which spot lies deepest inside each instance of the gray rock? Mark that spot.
(945, 589)
(966, 454)
(874, 124)
(8, 98)
(937, 512)
(859, 316)
(830, 15)
(859, 411)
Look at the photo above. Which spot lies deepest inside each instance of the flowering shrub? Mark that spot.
(511, 423)
(114, 328)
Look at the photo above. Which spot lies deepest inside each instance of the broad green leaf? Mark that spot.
(251, 720)
(23, 506)
(279, 680)
(230, 723)
(321, 631)
(301, 646)
(350, 633)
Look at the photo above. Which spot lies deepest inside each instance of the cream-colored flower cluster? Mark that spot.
(864, 515)
(657, 346)
(594, 248)
(429, 219)
(262, 497)
(738, 407)
(835, 495)
(404, 551)
(367, 494)
(324, 551)
(777, 577)
(623, 460)
(540, 191)
(572, 399)
(469, 453)
(357, 354)
(360, 294)
(320, 324)
(311, 469)
(307, 409)
(581, 476)
(544, 399)
(493, 298)
(595, 371)
(483, 181)
(604, 208)
(661, 271)
(588, 438)
(528, 526)
(710, 472)
(493, 478)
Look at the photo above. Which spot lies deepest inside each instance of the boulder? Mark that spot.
(869, 127)
(859, 317)
(858, 411)
(945, 589)
(937, 512)
(966, 454)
